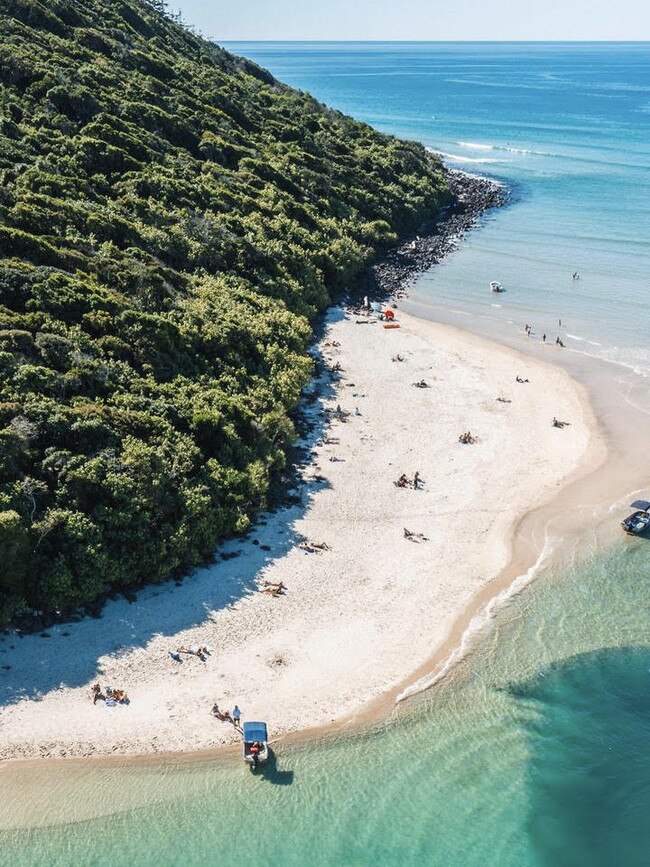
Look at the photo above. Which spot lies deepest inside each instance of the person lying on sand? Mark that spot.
(414, 537)
(331, 441)
(314, 546)
(117, 696)
(421, 384)
(274, 588)
(503, 400)
(519, 379)
(557, 423)
(397, 358)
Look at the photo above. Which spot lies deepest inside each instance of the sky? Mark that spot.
(224, 20)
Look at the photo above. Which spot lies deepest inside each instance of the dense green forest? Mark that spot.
(172, 220)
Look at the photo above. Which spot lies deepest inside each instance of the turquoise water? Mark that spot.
(535, 751)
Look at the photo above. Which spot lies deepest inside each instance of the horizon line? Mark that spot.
(449, 41)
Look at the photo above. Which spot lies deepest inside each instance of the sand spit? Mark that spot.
(360, 614)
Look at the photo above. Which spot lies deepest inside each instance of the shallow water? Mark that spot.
(534, 752)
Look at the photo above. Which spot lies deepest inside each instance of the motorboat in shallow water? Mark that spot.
(638, 522)
(495, 286)
(255, 743)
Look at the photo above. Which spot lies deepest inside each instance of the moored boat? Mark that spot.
(256, 743)
(639, 521)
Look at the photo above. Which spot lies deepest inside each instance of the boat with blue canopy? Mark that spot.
(256, 743)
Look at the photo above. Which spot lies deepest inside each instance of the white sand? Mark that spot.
(356, 620)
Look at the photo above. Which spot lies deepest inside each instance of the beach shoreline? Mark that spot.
(57, 721)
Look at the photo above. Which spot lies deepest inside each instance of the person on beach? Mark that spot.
(216, 712)
(558, 342)
(416, 480)
(175, 656)
(236, 717)
(543, 338)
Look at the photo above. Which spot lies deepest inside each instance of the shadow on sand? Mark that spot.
(70, 654)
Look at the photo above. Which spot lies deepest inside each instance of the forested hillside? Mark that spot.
(171, 221)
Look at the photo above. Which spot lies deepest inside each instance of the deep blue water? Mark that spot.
(566, 126)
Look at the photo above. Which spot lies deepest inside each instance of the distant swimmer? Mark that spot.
(558, 342)
(576, 276)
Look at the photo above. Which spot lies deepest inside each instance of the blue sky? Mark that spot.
(418, 19)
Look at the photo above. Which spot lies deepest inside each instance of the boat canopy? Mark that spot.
(640, 504)
(255, 731)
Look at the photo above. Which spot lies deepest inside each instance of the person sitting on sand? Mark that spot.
(402, 482)
(216, 712)
(558, 342)
(397, 358)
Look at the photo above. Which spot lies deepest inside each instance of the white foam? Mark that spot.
(477, 146)
(479, 625)
(459, 158)
(583, 340)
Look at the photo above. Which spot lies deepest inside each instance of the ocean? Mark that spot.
(534, 751)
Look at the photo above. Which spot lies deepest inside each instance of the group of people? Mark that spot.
(227, 716)
(558, 340)
(467, 438)
(111, 697)
(404, 482)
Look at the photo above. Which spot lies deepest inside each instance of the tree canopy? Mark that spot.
(172, 220)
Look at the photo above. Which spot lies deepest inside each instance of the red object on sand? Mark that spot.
(389, 314)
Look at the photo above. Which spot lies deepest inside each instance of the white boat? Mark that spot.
(495, 286)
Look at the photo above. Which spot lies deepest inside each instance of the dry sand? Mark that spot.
(356, 620)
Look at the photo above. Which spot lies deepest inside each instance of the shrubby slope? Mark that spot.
(171, 220)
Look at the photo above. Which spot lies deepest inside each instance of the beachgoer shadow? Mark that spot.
(73, 654)
(270, 772)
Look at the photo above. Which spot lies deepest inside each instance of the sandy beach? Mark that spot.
(361, 614)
